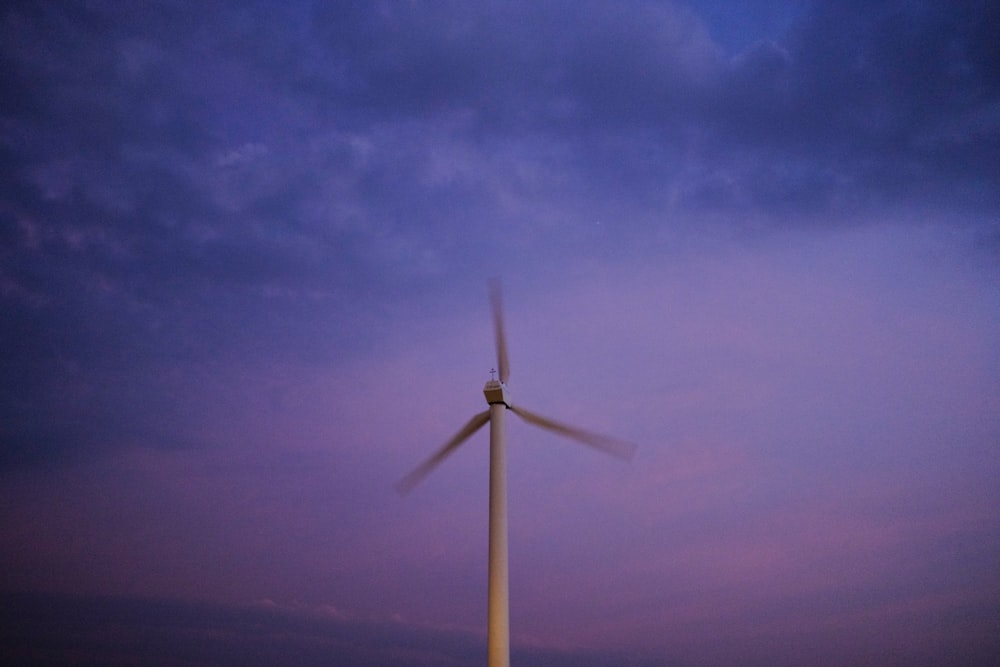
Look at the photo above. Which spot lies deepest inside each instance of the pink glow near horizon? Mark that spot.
(769, 493)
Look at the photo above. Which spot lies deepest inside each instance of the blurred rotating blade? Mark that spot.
(406, 484)
(496, 299)
(620, 448)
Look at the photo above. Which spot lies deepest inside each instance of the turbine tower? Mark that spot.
(498, 398)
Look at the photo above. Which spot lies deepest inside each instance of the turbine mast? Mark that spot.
(498, 621)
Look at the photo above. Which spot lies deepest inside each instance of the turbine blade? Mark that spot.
(620, 448)
(496, 299)
(406, 484)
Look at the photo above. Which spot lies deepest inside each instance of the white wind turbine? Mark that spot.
(498, 398)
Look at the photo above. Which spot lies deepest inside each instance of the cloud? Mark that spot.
(242, 257)
(63, 630)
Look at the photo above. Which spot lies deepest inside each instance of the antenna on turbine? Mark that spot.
(496, 393)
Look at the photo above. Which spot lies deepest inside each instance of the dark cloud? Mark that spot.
(69, 630)
(867, 103)
(182, 182)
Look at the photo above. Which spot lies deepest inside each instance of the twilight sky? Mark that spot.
(245, 250)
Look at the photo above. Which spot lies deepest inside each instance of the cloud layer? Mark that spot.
(242, 291)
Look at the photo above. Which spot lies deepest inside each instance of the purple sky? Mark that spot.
(243, 283)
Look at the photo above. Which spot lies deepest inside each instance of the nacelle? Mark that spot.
(496, 392)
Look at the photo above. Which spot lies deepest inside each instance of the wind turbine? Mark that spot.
(498, 398)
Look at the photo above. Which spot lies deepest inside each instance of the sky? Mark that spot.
(243, 291)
